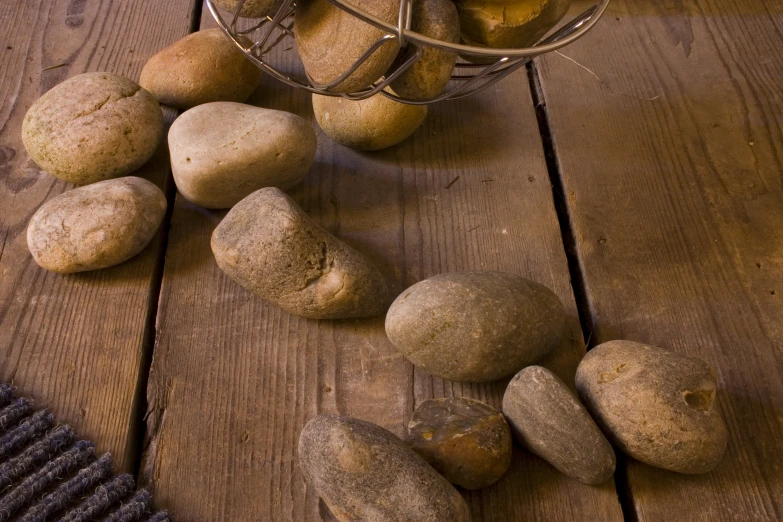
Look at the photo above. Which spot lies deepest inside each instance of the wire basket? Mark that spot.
(264, 34)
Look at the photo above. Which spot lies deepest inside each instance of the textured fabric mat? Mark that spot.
(48, 474)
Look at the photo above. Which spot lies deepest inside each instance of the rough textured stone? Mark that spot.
(475, 326)
(93, 127)
(364, 473)
(267, 244)
(657, 406)
(96, 226)
(427, 78)
(465, 440)
(224, 151)
(372, 124)
(549, 420)
(203, 67)
(330, 40)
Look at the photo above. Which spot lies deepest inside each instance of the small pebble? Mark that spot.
(465, 440)
(547, 419)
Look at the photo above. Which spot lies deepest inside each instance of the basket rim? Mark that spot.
(472, 49)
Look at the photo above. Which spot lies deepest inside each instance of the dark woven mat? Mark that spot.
(48, 474)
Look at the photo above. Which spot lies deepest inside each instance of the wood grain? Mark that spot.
(671, 164)
(75, 343)
(234, 379)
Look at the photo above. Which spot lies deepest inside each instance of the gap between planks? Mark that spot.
(138, 419)
(574, 269)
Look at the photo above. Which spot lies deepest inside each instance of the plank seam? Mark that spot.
(138, 421)
(622, 486)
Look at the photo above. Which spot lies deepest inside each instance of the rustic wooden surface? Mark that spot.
(234, 379)
(671, 166)
(668, 182)
(76, 343)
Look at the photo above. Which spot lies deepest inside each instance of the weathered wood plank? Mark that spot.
(76, 343)
(234, 379)
(677, 211)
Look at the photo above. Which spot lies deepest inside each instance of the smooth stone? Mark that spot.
(465, 440)
(364, 473)
(428, 76)
(93, 127)
(222, 152)
(547, 419)
(475, 326)
(203, 67)
(330, 40)
(267, 244)
(371, 124)
(657, 406)
(96, 226)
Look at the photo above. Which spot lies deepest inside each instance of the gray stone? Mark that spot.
(363, 472)
(549, 420)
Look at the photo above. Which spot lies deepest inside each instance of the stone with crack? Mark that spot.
(465, 440)
(657, 406)
(267, 244)
(93, 127)
(96, 226)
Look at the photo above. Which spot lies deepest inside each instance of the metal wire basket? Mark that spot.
(263, 35)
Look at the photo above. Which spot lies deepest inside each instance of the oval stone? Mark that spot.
(363, 472)
(547, 419)
(96, 226)
(93, 127)
(202, 67)
(475, 326)
(658, 406)
(465, 440)
(223, 151)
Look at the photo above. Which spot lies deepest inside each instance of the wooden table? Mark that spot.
(637, 173)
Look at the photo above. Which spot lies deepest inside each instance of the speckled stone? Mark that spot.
(93, 127)
(475, 326)
(364, 473)
(658, 406)
(549, 420)
(96, 226)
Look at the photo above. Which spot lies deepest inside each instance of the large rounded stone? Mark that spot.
(658, 406)
(96, 226)
(223, 151)
(363, 472)
(93, 127)
(548, 420)
(330, 40)
(200, 68)
(475, 326)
